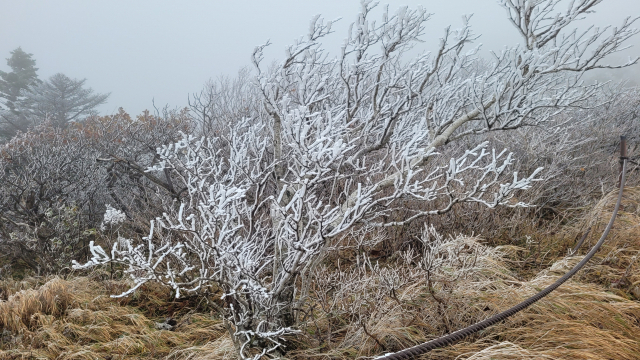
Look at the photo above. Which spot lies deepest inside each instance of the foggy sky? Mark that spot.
(163, 50)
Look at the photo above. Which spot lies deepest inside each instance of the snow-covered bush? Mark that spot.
(341, 142)
(49, 182)
(112, 217)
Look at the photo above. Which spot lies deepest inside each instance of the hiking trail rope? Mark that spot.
(456, 336)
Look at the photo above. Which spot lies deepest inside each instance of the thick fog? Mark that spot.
(164, 50)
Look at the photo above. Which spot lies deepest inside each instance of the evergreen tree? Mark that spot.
(22, 76)
(61, 100)
(13, 86)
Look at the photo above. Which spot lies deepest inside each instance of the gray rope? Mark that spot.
(456, 336)
(582, 239)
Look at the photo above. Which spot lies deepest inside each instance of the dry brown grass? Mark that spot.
(77, 319)
(578, 321)
(594, 316)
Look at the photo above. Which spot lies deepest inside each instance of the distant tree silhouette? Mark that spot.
(13, 86)
(61, 100)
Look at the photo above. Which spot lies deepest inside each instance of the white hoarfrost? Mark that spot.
(112, 217)
(339, 143)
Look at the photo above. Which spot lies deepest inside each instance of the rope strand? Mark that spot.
(456, 336)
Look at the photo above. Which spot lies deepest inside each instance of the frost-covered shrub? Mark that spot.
(341, 143)
(49, 186)
(112, 217)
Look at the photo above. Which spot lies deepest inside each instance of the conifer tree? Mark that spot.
(61, 100)
(13, 86)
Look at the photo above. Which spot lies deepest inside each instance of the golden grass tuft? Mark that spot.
(23, 308)
(504, 350)
(76, 319)
(219, 349)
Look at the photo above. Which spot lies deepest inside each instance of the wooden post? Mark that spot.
(623, 156)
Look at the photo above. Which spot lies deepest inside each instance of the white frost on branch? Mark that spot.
(112, 217)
